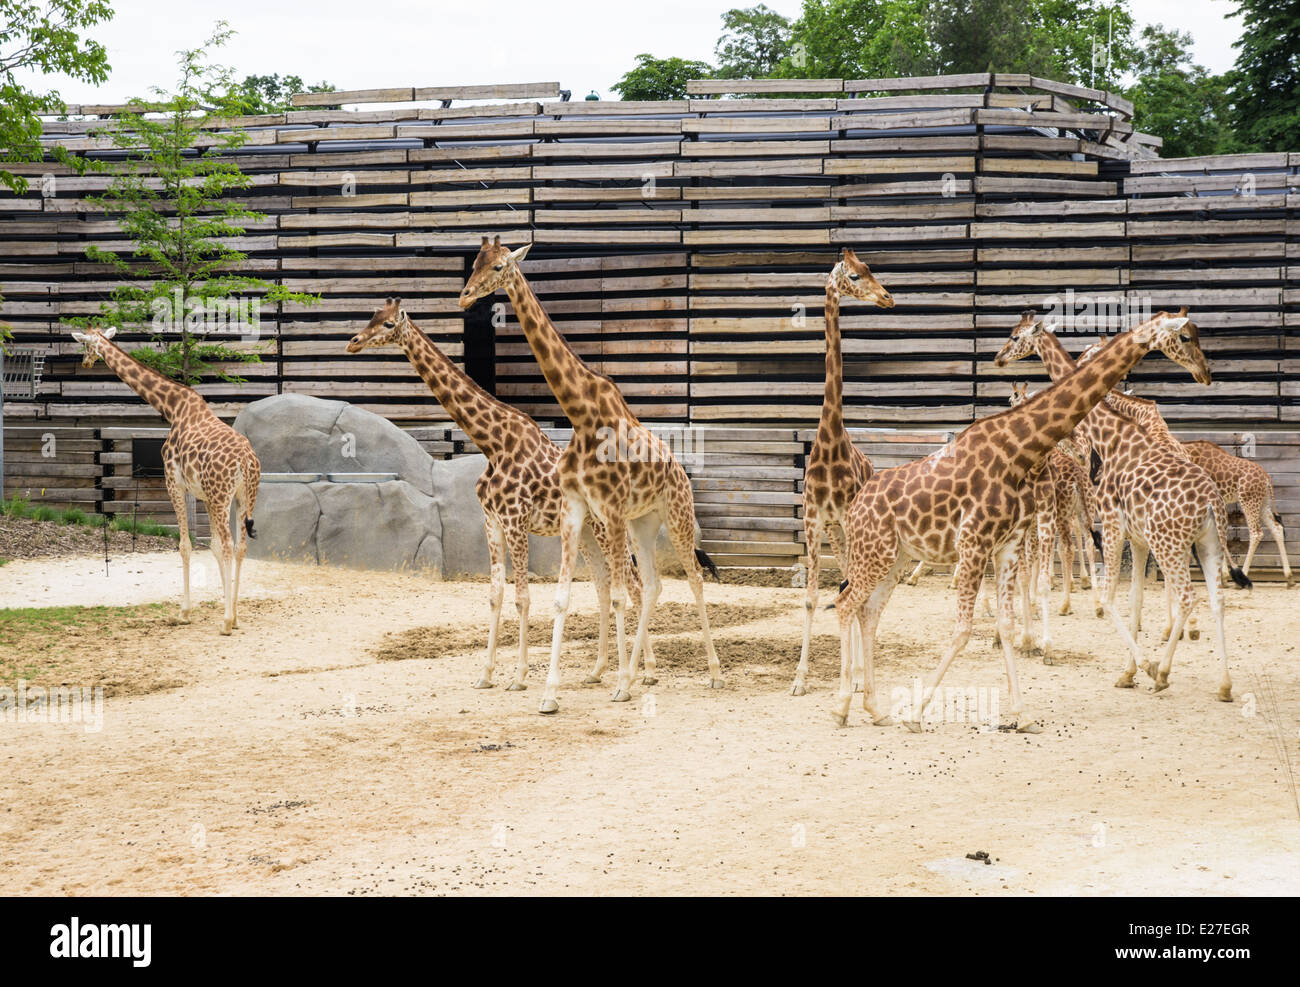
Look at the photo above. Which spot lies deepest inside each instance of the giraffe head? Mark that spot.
(1019, 392)
(91, 341)
(1023, 341)
(388, 325)
(852, 277)
(1174, 335)
(494, 267)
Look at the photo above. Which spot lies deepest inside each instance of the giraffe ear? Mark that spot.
(1173, 325)
(401, 315)
(80, 337)
(110, 332)
(496, 241)
(521, 253)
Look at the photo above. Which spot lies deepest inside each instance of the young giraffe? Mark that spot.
(970, 501)
(1148, 493)
(202, 456)
(836, 469)
(613, 469)
(519, 491)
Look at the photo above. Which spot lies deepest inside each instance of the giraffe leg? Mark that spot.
(680, 522)
(868, 621)
(1137, 585)
(1111, 546)
(1211, 553)
(1275, 529)
(241, 549)
(917, 573)
(517, 542)
(1253, 508)
(1006, 563)
(177, 496)
(592, 552)
(224, 550)
(969, 573)
(570, 532)
(644, 530)
(840, 543)
(1042, 568)
(496, 543)
(812, 529)
(1179, 577)
(1065, 548)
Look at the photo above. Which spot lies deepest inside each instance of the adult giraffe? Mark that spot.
(202, 456)
(970, 501)
(835, 470)
(519, 491)
(613, 469)
(1150, 494)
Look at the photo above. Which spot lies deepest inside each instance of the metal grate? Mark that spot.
(20, 372)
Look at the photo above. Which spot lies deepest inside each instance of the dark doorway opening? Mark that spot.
(146, 457)
(481, 344)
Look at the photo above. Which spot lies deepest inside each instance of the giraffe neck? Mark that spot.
(571, 381)
(168, 397)
(1074, 395)
(832, 420)
(476, 412)
(1105, 424)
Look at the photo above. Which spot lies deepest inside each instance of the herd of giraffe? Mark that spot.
(1008, 490)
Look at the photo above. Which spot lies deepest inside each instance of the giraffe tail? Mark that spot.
(844, 584)
(706, 563)
(1221, 528)
(248, 526)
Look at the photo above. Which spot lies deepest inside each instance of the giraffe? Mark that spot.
(970, 501)
(1246, 482)
(1240, 481)
(202, 456)
(836, 469)
(519, 491)
(1150, 494)
(613, 469)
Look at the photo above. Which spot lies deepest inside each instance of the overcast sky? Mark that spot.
(582, 44)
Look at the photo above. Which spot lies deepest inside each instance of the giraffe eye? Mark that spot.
(498, 267)
(388, 325)
(853, 277)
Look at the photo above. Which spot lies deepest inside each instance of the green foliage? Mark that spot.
(174, 196)
(44, 512)
(16, 506)
(754, 43)
(42, 37)
(270, 93)
(1178, 100)
(660, 78)
(73, 515)
(1265, 82)
(142, 526)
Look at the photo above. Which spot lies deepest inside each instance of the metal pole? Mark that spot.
(2, 422)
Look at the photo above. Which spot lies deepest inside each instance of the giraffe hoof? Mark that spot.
(1125, 681)
(516, 687)
(649, 680)
(225, 630)
(798, 689)
(185, 617)
(1194, 634)
(1153, 672)
(913, 726)
(840, 719)
(1290, 581)
(484, 683)
(1225, 694)
(884, 721)
(1031, 727)
(716, 684)
(621, 696)
(591, 680)
(1160, 686)
(1048, 659)
(548, 707)
(1065, 610)
(1101, 611)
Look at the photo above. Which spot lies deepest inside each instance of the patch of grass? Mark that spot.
(44, 512)
(74, 515)
(144, 526)
(16, 506)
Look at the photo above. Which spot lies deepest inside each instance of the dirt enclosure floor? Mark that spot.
(334, 745)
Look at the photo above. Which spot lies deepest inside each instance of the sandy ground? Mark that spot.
(289, 758)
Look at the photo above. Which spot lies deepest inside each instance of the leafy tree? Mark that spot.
(1265, 88)
(754, 42)
(1179, 100)
(660, 78)
(172, 199)
(847, 39)
(270, 93)
(42, 37)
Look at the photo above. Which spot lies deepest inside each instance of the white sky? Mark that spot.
(582, 44)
